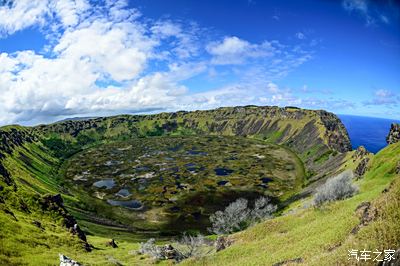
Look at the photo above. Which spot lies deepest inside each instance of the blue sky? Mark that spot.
(65, 58)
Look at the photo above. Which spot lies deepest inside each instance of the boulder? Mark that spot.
(65, 261)
(222, 242)
(394, 134)
(169, 252)
(112, 243)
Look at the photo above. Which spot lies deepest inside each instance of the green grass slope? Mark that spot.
(323, 236)
(29, 169)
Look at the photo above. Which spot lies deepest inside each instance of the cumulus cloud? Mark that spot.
(105, 58)
(263, 62)
(117, 49)
(17, 15)
(233, 50)
(109, 47)
(21, 14)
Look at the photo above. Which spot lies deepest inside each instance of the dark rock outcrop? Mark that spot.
(360, 153)
(55, 203)
(222, 243)
(14, 137)
(5, 175)
(394, 134)
(112, 243)
(366, 213)
(361, 168)
(10, 138)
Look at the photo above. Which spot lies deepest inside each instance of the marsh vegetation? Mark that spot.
(159, 182)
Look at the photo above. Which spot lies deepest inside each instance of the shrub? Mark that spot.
(151, 249)
(234, 218)
(337, 188)
(237, 216)
(189, 246)
(263, 209)
(192, 246)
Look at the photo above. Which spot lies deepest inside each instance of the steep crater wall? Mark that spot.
(303, 131)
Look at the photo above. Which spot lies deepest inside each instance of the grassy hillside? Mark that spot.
(314, 235)
(323, 236)
(33, 163)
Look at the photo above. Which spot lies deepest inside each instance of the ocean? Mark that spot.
(370, 132)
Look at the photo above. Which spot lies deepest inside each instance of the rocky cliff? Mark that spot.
(312, 131)
(394, 134)
(14, 136)
(10, 138)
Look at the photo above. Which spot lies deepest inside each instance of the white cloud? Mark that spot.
(272, 87)
(21, 14)
(116, 49)
(384, 97)
(17, 15)
(269, 60)
(103, 47)
(183, 40)
(98, 58)
(230, 45)
(70, 12)
(233, 50)
(241, 94)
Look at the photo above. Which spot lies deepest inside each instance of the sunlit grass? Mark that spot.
(312, 234)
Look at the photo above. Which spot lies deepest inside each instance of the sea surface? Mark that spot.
(370, 132)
